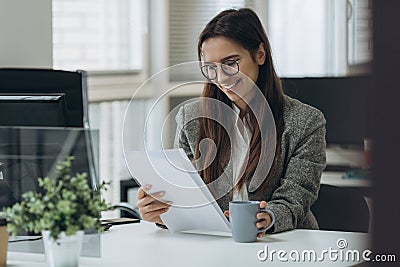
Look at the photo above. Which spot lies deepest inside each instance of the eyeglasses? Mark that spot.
(229, 67)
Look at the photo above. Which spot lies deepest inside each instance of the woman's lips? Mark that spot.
(231, 85)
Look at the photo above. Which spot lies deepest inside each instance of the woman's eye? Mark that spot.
(230, 63)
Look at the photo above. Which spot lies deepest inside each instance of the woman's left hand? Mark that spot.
(264, 219)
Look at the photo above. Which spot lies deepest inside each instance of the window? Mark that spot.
(320, 38)
(297, 32)
(359, 31)
(186, 20)
(99, 35)
(297, 29)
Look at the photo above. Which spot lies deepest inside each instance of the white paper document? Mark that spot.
(193, 206)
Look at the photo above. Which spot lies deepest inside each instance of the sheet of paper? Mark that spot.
(172, 172)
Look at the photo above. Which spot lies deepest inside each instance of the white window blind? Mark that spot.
(186, 21)
(360, 26)
(99, 35)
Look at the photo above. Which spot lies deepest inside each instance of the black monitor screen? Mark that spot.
(27, 153)
(24, 109)
(67, 111)
(345, 101)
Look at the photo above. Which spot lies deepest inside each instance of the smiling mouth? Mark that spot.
(230, 86)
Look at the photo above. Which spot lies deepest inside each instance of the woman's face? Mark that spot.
(237, 88)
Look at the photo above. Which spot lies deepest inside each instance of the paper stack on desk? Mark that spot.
(194, 207)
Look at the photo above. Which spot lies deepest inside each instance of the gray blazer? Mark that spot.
(299, 167)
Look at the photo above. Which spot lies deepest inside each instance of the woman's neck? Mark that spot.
(241, 105)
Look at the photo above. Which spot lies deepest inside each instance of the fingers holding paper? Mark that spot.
(150, 206)
(226, 213)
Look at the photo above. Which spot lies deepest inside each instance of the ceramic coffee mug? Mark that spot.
(3, 242)
(242, 216)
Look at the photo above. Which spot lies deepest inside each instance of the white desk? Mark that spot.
(145, 245)
(335, 178)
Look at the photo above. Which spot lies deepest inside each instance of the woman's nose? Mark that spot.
(222, 76)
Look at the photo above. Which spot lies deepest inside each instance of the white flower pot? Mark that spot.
(63, 252)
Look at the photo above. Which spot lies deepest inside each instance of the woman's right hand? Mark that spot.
(150, 208)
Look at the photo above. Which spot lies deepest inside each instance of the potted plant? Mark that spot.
(61, 212)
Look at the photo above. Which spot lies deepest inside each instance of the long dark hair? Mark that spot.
(243, 27)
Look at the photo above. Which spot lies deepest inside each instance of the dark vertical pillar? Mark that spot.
(386, 68)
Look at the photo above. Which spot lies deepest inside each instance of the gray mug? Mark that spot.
(243, 219)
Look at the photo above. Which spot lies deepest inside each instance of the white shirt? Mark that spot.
(240, 149)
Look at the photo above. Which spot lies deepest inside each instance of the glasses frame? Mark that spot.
(205, 67)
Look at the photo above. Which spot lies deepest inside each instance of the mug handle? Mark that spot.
(271, 214)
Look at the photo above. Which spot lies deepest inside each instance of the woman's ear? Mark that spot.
(260, 54)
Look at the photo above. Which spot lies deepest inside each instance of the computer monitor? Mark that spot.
(345, 101)
(70, 110)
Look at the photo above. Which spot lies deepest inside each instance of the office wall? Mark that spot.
(25, 33)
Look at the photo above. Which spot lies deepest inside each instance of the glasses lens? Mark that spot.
(230, 67)
(209, 72)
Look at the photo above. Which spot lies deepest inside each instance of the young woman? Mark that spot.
(235, 40)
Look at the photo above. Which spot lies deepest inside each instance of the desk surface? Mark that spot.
(145, 245)
(335, 178)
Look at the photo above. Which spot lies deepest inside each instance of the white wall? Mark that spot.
(26, 33)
